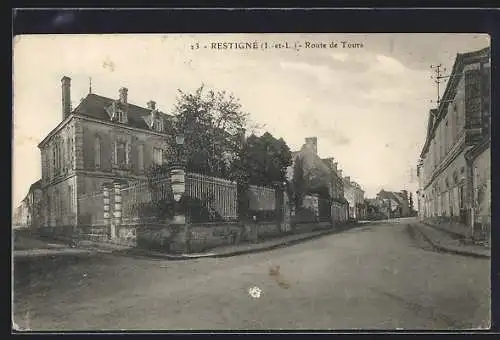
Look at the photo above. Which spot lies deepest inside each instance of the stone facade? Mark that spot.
(320, 173)
(355, 196)
(481, 182)
(101, 141)
(446, 186)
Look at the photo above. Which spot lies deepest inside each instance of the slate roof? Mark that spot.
(396, 196)
(95, 106)
(36, 185)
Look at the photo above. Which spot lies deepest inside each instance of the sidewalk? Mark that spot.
(39, 252)
(245, 248)
(447, 242)
(456, 230)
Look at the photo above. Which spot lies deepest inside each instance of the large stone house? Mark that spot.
(322, 178)
(100, 141)
(454, 160)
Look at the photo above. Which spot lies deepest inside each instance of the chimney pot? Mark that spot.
(151, 105)
(66, 96)
(123, 95)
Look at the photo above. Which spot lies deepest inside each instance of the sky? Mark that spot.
(368, 105)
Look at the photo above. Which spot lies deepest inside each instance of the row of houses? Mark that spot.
(453, 170)
(345, 196)
(108, 142)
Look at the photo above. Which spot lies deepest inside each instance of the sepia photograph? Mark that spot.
(251, 182)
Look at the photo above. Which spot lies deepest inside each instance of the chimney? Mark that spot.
(66, 96)
(151, 104)
(405, 194)
(348, 179)
(340, 173)
(313, 143)
(335, 166)
(123, 95)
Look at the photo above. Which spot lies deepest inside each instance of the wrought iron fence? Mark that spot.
(261, 198)
(139, 198)
(213, 199)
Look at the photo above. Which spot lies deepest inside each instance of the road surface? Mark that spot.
(373, 277)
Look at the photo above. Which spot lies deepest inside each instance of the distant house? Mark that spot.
(377, 209)
(20, 217)
(29, 213)
(355, 196)
(398, 203)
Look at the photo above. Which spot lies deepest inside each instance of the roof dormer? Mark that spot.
(118, 111)
(155, 119)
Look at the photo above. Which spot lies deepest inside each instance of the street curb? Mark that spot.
(453, 233)
(238, 252)
(449, 250)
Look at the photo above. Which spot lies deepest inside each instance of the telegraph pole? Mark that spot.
(437, 78)
(438, 75)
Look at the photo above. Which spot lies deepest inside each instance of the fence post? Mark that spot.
(177, 176)
(287, 213)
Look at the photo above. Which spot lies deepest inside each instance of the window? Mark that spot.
(54, 158)
(97, 152)
(158, 125)
(70, 199)
(447, 144)
(140, 157)
(157, 156)
(69, 158)
(120, 116)
(121, 153)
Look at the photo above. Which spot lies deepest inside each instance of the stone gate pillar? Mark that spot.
(117, 211)
(106, 207)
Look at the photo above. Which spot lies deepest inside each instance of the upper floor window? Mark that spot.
(121, 153)
(70, 199)
(158, 156)
(140, 157)
(69, 154)
(121, 116)
(158, 125)
(97, 151)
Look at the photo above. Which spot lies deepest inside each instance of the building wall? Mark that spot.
(35, 208)
(60, 203)
(350, 196)
(482, 189)
(58, 155)
(446, 193)
(139, 148)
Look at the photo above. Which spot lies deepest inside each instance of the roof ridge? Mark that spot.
(129, 103)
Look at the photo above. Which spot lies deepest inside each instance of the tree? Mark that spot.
(263, 160)
(212, 123)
